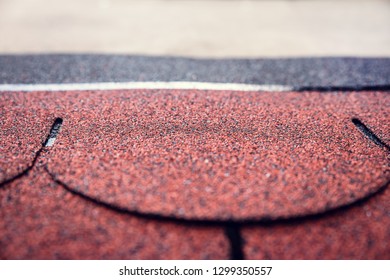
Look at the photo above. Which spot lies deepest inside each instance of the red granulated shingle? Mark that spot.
(219, 155)
(361, 232)
(23, 130)
(39, 219)
(195, 155)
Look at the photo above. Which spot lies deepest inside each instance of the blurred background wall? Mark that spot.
(216, 28)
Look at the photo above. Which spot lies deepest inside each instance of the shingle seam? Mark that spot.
(233, 233)
(183, 85)
(343, 88)
(25, 172)
(48, 142)
(369, 134)
(214, 222)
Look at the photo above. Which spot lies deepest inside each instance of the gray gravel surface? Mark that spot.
(300, 73)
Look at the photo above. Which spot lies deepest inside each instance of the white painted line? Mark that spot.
(142, 85)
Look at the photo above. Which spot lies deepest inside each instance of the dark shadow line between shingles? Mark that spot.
(342, 88)
(24, 172)
(213, 222)
(232, 229)
(55, 128)
(369, 133)
(233, 234)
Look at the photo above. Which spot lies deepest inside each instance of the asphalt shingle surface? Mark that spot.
(299, 73)
(171, 169)
(191, 174)
(219, 155)
(23, 130)
(42, 220)
(360, 232)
